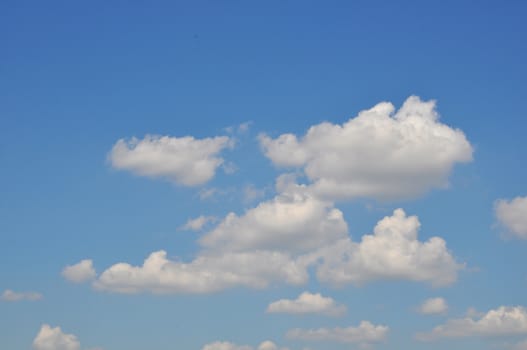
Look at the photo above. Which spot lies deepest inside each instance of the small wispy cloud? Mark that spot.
(12, 296)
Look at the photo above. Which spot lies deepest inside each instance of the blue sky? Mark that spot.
(232, 77)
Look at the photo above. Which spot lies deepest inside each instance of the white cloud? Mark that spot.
(253, 250)
(80, 272)
(198, 223)
(269, 252)
(433, 306)
(205, 274)
(277, 242)
(366, 333)
(393, 251)
(307, 303)
(377, 154)
(54, 339)
(9, 295)
(223, 345)
(505, 320)
(513, 215)
(184, 160)
(291, 222)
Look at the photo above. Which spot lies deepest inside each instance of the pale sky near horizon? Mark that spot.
(228, 175)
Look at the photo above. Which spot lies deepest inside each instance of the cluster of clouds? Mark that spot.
(382, 154)
(278, 241)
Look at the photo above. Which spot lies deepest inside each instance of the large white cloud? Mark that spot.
(433, 306)
(393, 251)
(277, 242)
(505, 320)
(378, 154)
(81, 272)
(365, 333)
(307, 303)
(253, 250)
(12, 296)
(513, 215)
(49, 338)
(184, 160)
(224, 345)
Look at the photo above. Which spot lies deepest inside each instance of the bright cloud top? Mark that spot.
(269, 253)
(184, 160)
(433, 306)
(291, 222)
(365, 333)
(393, 251)
(223, 345)
(12, 296)
(80, 272)
(49, 338)
(505, 320)
(380, 153)
(513, 215)
(307, 303)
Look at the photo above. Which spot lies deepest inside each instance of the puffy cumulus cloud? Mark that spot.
(380, 153)
(184, 160)
(12, 296)
(222, 345)
(262, 246)
(205, 274)
(80, 272)
(198, 223)
(513, 215)
(393, 251)
(433, 306)
(278, 241)
(49, 338)
(505, 320)
(366, 333)
(307, 303)
(291, 222)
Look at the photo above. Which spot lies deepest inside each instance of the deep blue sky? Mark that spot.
(76, 76)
